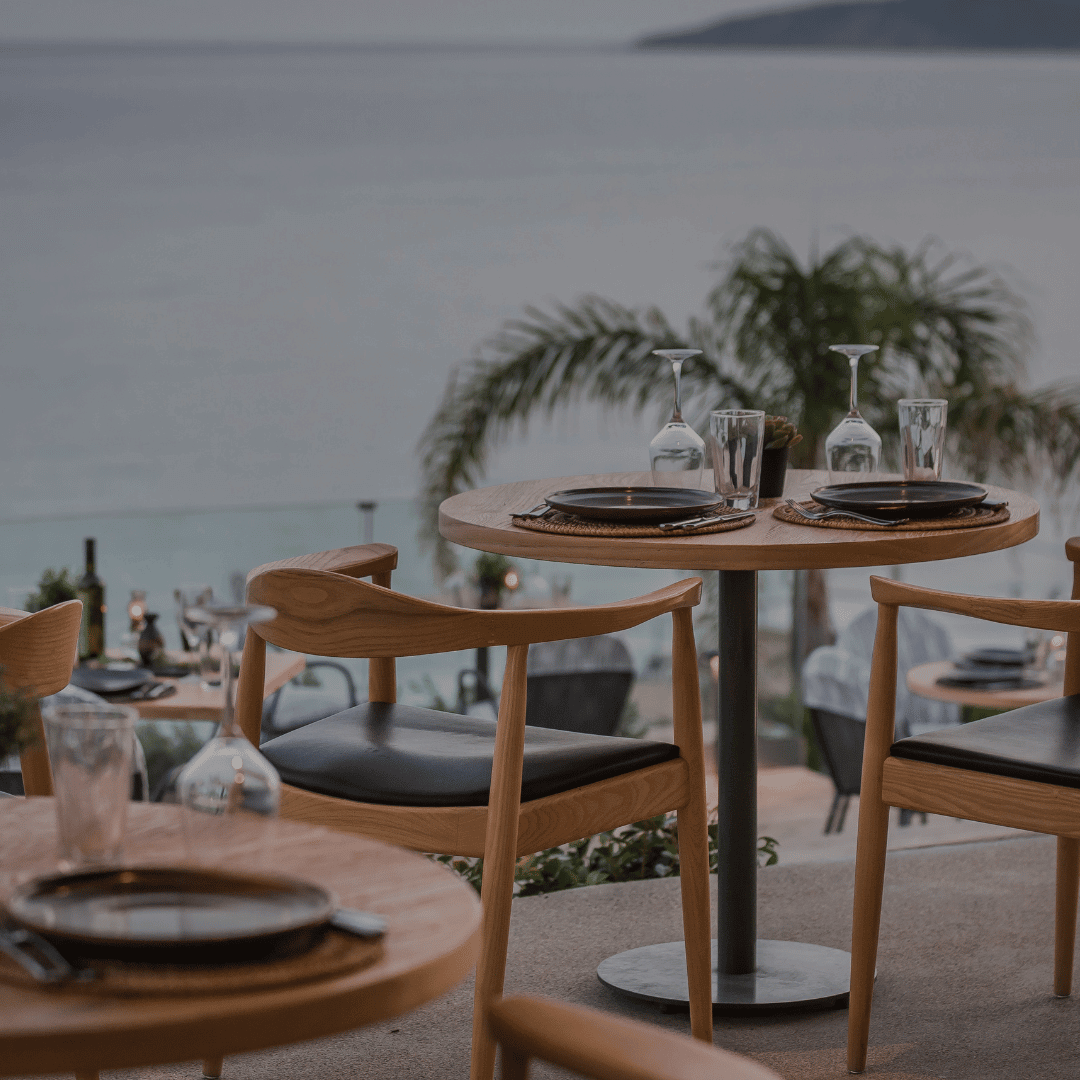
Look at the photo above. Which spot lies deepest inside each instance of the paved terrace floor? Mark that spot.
(964, 971)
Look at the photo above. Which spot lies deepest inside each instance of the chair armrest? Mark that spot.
(1060, 615)
(606, 1047)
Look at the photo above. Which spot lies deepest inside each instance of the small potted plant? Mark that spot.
(780, 437)
(18, 719)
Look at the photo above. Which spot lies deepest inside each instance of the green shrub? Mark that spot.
(53, 588)
(645, 849)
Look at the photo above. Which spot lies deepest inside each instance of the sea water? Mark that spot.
(237, 279)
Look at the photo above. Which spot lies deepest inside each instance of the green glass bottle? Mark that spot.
(91, 591)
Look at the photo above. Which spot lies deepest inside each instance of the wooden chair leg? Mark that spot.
(1068, 887)
(693, 825)
(866, 921)
(211, 1068)
(500, 859)
(697, 938)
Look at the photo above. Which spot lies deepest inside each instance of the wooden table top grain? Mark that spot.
(480, 519)
(432, 915)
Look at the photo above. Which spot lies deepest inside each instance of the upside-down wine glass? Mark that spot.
(677, 452)
(853, 446)
(229, 791)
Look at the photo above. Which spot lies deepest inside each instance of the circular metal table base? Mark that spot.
(789, 975)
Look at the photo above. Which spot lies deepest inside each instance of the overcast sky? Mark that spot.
(379, 21)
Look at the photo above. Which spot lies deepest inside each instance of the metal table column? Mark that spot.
(748, 975)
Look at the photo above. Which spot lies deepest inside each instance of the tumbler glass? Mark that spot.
(738, 436)
(922, 437)
(90, 751)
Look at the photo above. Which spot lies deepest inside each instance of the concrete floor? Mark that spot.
(963, 991)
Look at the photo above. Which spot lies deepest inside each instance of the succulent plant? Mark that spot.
(780, 433)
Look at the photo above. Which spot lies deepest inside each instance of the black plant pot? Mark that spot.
(773, 473)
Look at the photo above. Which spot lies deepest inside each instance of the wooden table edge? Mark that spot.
(1003, 700)
(768, 544)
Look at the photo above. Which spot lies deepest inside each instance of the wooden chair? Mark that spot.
(1020, 769)
(426, 779)
(606, 1047)
(37, 653)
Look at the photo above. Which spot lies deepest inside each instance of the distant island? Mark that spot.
(893, 24)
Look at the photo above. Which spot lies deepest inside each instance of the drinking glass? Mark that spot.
(230, 792)
(738, 436)
(677, 452)
(188, 598)
(90, 751)
(853, 446)
(922, 437)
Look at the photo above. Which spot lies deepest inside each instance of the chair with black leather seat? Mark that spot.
(437, 781)
(605, 1047)
(1020, 769)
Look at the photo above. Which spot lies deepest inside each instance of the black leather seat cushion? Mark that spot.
(397, 755)
(1039, 742)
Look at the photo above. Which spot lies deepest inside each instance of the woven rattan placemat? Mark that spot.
(567, 525)
(970, 517)
(337, 954)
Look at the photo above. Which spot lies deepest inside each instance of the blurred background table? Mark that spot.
(923, 680)
(433, 920)
(192, 702)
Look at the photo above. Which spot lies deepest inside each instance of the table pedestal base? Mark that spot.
(789, 975)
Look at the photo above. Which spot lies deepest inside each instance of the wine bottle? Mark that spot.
(91, 591)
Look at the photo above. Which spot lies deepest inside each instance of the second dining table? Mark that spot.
(750, 975)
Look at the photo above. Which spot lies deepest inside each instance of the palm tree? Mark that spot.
(945, 328)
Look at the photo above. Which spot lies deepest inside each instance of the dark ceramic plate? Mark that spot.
(999, 682)
(170, 915)
(641, 505)
(997, 657)
(963, 675)
(107, 681)
(902, 498)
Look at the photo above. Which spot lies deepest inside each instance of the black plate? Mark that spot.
(902, 498)
(1009, 682)
(997, 656)
(642, 505)
(973, 674)
(108, 681)
(170, 915)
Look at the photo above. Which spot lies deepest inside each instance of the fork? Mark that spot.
(538, 511)
(811, 516)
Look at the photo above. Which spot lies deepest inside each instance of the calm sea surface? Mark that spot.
(236, 278)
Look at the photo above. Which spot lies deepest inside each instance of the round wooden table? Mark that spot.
(431, 943)
(751, 975)
(922, 680)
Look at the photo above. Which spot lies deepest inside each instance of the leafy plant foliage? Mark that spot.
(17, 716)
(945, 328)
(53, 588)
(645, 849)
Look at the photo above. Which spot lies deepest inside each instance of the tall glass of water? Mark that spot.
(737, 439)
(853, 446)
(922, 437)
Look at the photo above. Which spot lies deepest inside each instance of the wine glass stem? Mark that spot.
(854, 362)
(228, 729)
(677, 368)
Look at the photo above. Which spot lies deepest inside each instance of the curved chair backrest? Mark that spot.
(334, 615)
(605, 1047)
(37, 653)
